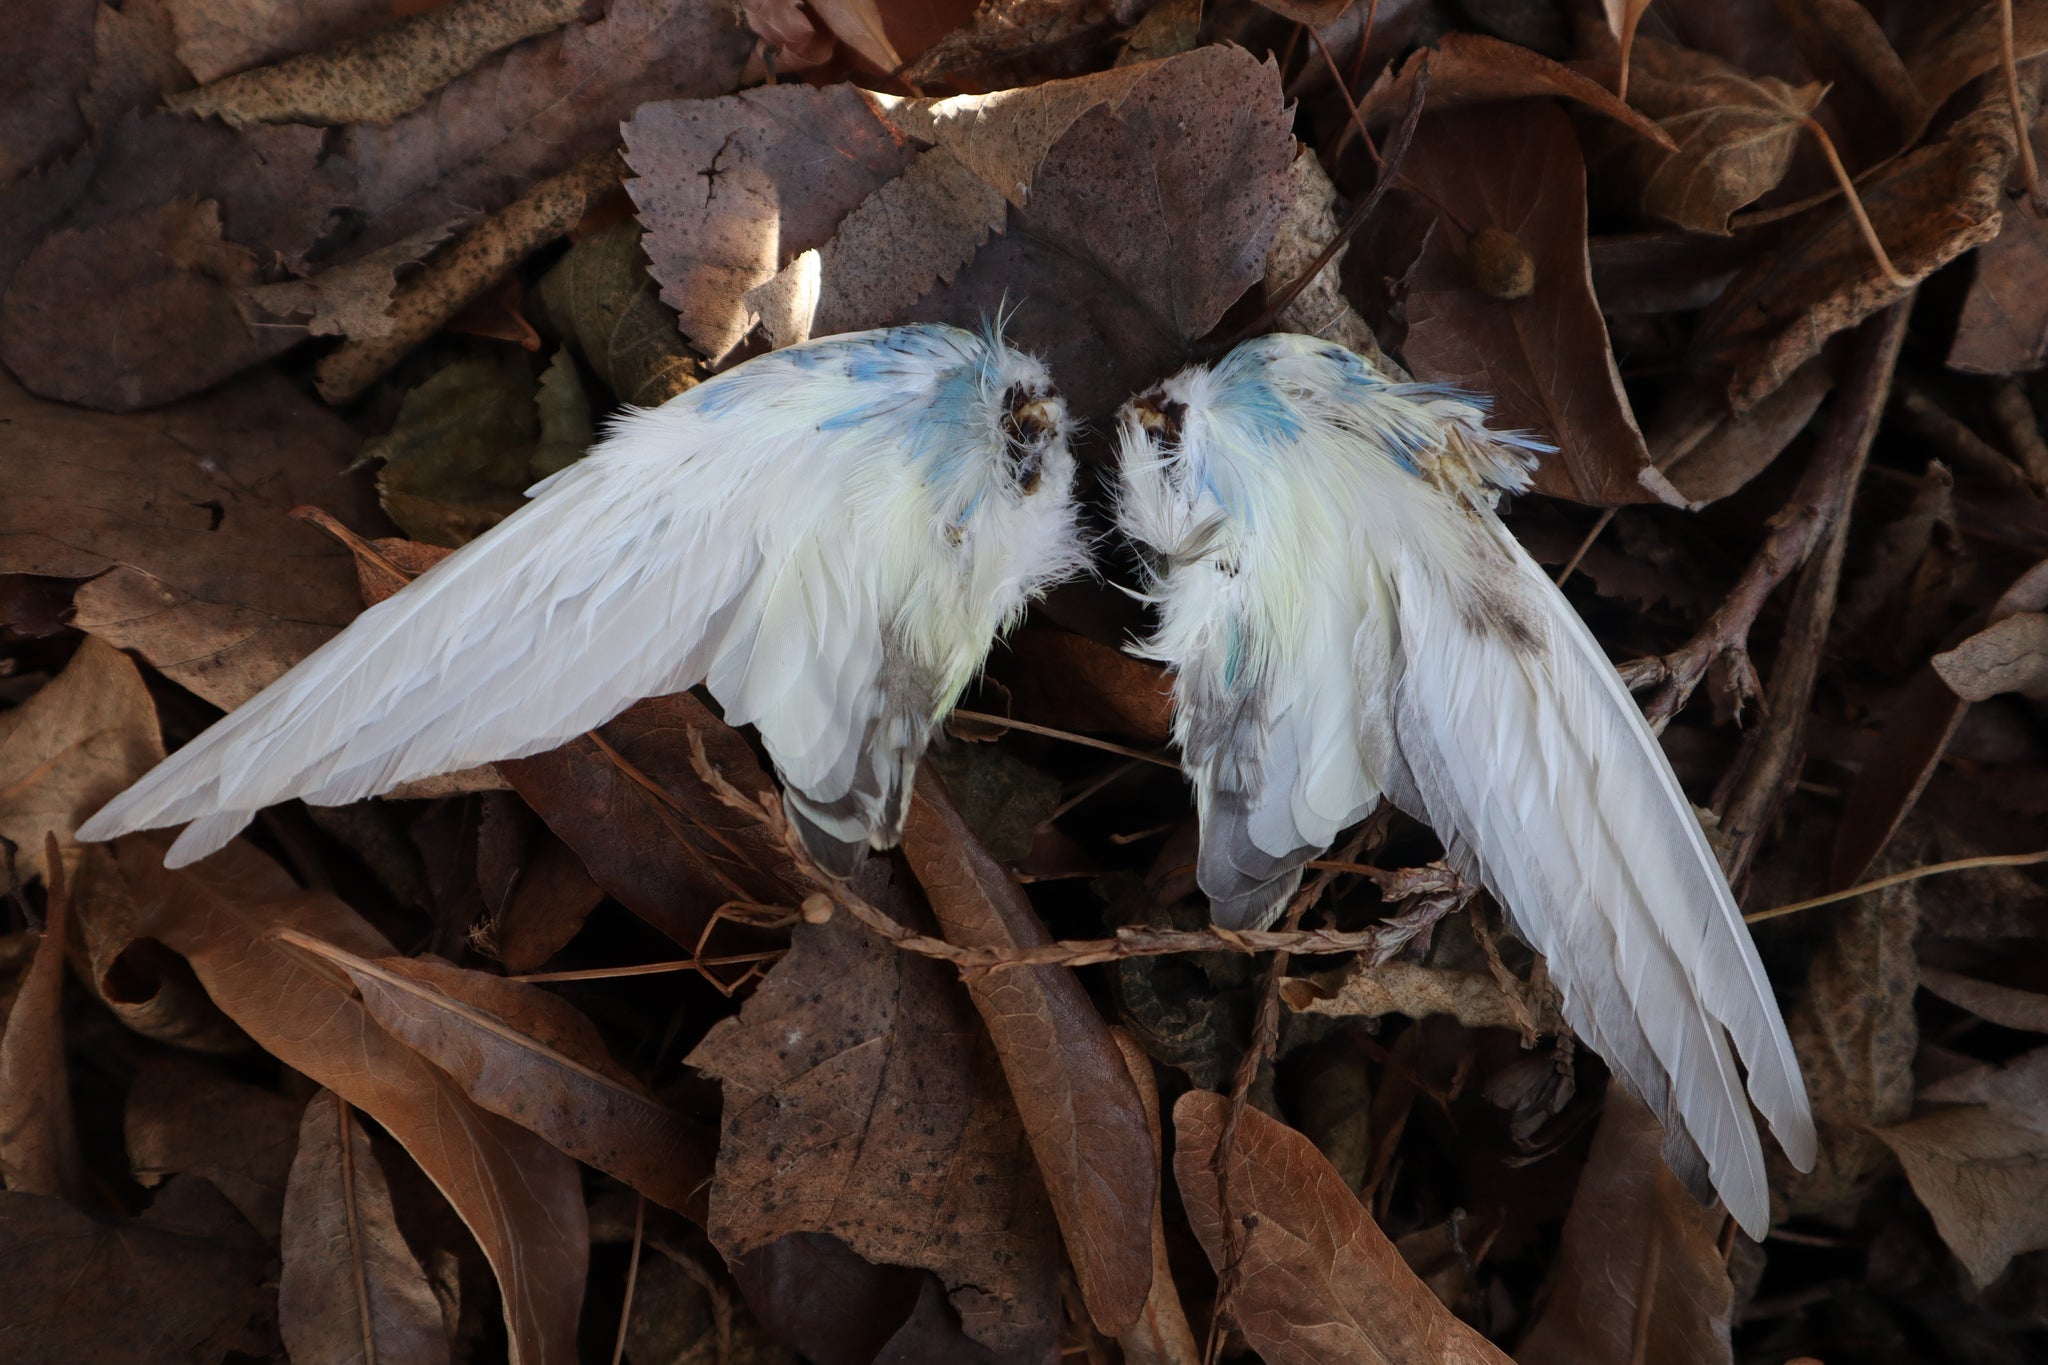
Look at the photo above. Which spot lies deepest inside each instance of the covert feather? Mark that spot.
(831, 536)
(1346, 618)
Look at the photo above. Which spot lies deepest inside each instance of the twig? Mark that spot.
(1911, 874)
(1071, 738)
(1819, 502)
(687, 964)
(1768, 764)
(2030, 175)
(1584, 546)
(632, 1278)
(1855, 200)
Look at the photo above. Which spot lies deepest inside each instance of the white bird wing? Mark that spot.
(1503, 724)
(683, 546)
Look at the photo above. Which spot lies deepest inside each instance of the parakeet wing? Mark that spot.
(1507, 730)
(743, 533)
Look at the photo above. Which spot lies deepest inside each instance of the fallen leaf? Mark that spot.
(43, 68)
(1317, 1279)
(1708, 452)
(1161, 1335)
(1000, 797)
(1976, 1162)
(859, 25)
(134, 61)
(1543, 359)
(518, 1195)
(2004, 1006)
(528, 1055)
(862, 1099)
(1474, 999)
(602, 300)
(71, 748)
(650, 832)
(200, 570)
(184, 1281)
(220, 37)
(1955, 46)
(731, 190)
(815, 1296)
(459, 457)
(351, 1289)
(1639, 1275)
(1076, 683)
(788, 36)
(2010, 655)
(683, 1316)
(2004, 324)
(38, 1136)
(1470, 68)
(1020, 42)
(145, 985)
(1081, 1110)
(186, 1119)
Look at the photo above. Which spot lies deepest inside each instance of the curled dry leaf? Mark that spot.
(71, 748)
(528, 1055)
(1081, 1110)
(601, 300)
(1161, 1335)
(864, 1100)
(2006, 1006)
(1318, 1281)
(520, 1197)
(2004, 324)
(200, 569)
(1474, 999)
(1544, 358)
(1640, 1275)
(646, 827)
(1957, 45)
(2010, 655)
(38, 1138)
(186, 1119)
(351, 1289)
(1707, 452)
(381, 75)
(1976, 1159)
(1470, 68)
(184, 1281)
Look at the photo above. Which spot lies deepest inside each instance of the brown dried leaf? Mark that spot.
(201, 571)
(351, 1289)
(1076, 683)
(518, 1195)
(185, 1281)
(2010, 655)
(833, 1308)
(378, 76)
(220, 37)
(2004, 1006)
(1471, 68)
(535, 110)
(1978, 1164)
(1474, 999)
(44, 65)
(529, 1055)
(71, 748)
(1735, 134)
(186, 1119)
(1161, 1335)
(603, 302)
(1708, 453)
(862, 1100)
(1545, 358)
(2004, 324)
(1081, 1109)
(38, 1138)
(1318, 1280)
(788, 37)
(673, 854)
(134, 63)
(731, 190)
(1959, 44)
(858, 24)
(147, 987)
(1011, 41)
(1640, 1275)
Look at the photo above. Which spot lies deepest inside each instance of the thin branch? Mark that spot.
(1911, 874)
(1067, 735)
(1848, 184)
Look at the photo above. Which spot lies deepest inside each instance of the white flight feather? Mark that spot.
(832, 534)
(1303, 486)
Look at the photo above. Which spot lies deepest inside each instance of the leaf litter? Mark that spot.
(302, 1100)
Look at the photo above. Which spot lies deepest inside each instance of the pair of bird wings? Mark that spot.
(1346, 618)
(829, 536)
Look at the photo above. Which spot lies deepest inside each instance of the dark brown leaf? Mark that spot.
(38, 1136)
(1640, 1274)
(351, 1290)
(862, 1099)
(820, 1299)
(672, 854)
(1076, 683)
(43, 69)
(1318, 1280)
(518, 1195)
(201, 571)
(2005, 1006)
(1081, 1110)
(186, 1119)
(528, 1055)
(1009, 42)
(1471, 68)
(2004, 326)
(185, 1281)
(1708, 453)
(1161, 1335)
(1545, 358)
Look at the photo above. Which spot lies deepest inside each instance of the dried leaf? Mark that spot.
(524, 1053)
(817, 1297)
(187, 527)
(519, 1196)
(377, 76)
(38, 1137)
(351, 1289)
(147, 987)
(1076, 683)
(1471, 68)
(1474, 999)
(1545, 358)
(135, 62)
(601, 299)
(2004, 324)
(862, 1100)
(649, 832)
(185, 1281)
(1011, 42)
(187, 1119)
(1708, 453)
(1640, 1275)
(2010, 655)
(43, 67)
(1161, 1335)
(1958, 45)
(1318, 1281)
(858, 24)
(731, 190)
(220, 37)
(1976, 1164)
(460, 456)
(1081, 1110)
(71, 748)
(2004, 1006)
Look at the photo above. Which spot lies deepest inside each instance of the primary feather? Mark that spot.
(831, 536)
(1345, 617)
